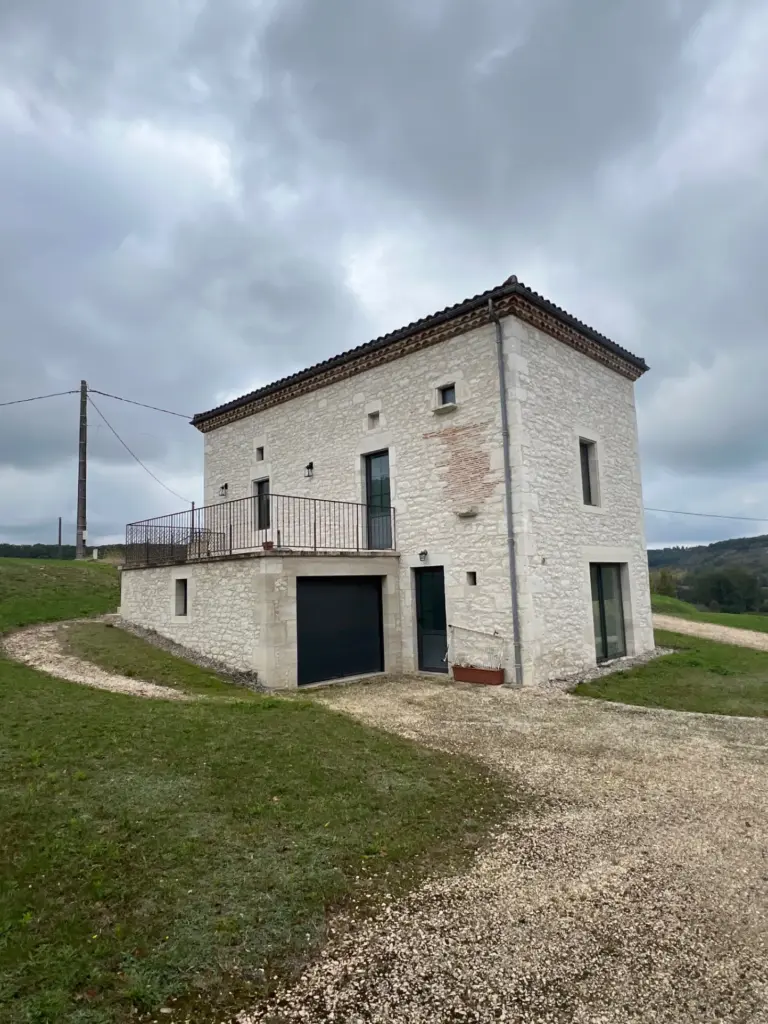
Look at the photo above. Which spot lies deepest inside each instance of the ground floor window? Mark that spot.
(180, 597)
(608, 611)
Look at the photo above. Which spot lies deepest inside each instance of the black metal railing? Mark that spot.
(250, 524)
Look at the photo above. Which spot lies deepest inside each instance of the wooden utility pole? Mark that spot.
(82, 464)
(59, 537)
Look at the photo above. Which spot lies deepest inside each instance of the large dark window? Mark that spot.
(608, 611)
(588, 454)
(261, 518)
(378, 500)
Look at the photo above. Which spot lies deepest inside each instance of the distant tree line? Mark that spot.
(730, 589)
(36, 551)
(110, 552)
(749, 553)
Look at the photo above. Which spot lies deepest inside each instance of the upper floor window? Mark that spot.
(260, 454)
(447, 394)
(261, 511)
(589, 481)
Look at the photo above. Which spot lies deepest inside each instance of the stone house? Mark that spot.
(463, 491)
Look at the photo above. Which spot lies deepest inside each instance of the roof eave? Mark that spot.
(509, 288)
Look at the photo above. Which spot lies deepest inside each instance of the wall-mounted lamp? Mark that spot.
(309, 470)
(423, 556)
(223, 490)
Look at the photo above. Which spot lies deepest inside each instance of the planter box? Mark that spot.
(484, 676)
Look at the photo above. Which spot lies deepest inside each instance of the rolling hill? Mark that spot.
(749, 553)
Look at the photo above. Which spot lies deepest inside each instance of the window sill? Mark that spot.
(442, 410)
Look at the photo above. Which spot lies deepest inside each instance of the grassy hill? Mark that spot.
(43, 590)
(683, 610)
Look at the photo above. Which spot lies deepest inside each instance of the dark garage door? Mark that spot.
(338, 627)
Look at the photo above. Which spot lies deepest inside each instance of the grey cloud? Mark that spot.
(476, 139)
(411, 107)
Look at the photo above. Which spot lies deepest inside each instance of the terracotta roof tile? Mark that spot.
(510, 287)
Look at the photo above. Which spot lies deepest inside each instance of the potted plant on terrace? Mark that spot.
(476, 655)
(472, 674)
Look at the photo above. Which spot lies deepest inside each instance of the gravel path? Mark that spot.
(636, 892)
(41, 647)
(711, 631)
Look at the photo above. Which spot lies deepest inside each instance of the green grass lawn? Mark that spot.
(38, 590)
(701, 676)
(116, 651)
(683, 610)
(159, 854)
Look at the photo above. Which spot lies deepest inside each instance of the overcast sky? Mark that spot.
(199, 197)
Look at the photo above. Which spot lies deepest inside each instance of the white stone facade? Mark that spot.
(242, 612)
(557, 397)
(447, 485)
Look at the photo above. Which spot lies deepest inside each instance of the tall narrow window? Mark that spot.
(608, 612)
(379, 499)
(261, 516)
(588, 455)
(180, 597)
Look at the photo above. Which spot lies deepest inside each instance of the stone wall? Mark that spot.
(448, 491)
(223, 619)
(277, 655)
(441, 463)
(557, 397)
(242, 612)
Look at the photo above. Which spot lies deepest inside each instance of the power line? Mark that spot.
(142, 404)
(38, 398)
(184, 416)
(133, 455)
(705, 515)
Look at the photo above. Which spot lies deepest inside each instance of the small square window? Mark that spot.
(373, 420)
(260, 454)
(589, 481)
(472, 579)
(180, 595)
(447, 394)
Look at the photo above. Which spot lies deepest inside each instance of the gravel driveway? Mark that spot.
(711, 631)
(636, 891)
(42, 647)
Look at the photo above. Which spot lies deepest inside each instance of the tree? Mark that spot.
(664, 581)
(730, 590)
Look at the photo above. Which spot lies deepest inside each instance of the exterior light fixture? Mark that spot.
(309, 470)
(223, 490)
(423, 556)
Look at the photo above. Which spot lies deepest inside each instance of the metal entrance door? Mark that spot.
(431, 628)
(338, 627)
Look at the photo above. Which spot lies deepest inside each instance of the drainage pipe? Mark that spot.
(511, 548)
